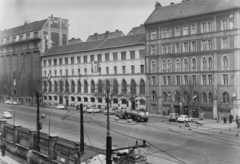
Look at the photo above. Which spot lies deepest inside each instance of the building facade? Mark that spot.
(20, 55)
(192, 56)
(82, 72)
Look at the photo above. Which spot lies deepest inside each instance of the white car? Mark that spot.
(184, 118)
(6, 115)
(60, 106)
(111, 111)
(7, 101)
(14, 102)
(93, 110)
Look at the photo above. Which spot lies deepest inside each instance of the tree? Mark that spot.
(6, 85)
(33, 86)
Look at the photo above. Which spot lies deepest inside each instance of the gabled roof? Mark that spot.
(97, 45)
(137, 30)
(190, 8)
(105, 35)
(33, 26)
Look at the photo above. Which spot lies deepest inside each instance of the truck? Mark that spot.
(139, 115)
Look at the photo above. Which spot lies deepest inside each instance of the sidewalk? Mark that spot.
(11, 159)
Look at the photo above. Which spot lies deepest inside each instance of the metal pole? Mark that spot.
(109, 138)
(38, 129)
(82, 129)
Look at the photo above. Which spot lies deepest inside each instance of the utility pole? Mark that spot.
(38, 123)
(81, 129)
(109, 138)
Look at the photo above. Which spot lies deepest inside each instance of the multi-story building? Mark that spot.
(20, 55)
(82, 72)
(192, 58)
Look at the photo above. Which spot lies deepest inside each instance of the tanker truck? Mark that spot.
(135, 114)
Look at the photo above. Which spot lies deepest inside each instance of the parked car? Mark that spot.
(13, 102)
(173, 116)
(93, 110)
(184, 118)
(7, 101)
(111, 111)
(6, 115)
(60, 106)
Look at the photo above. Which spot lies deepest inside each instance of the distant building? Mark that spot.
(192, 58)
(74, 40)
(137, 30)
(82, 72)
(105, 35)
(20, 55)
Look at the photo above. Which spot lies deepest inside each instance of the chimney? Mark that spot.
(106, 34)
(95, 35)
(172, 3)
(157, 5)
(116, 30)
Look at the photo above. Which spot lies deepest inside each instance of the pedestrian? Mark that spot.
(224, 119)
(230, 118)
(3, 148)
(164, 113)
(237, 121)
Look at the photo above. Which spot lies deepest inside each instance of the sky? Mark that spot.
(86, 17)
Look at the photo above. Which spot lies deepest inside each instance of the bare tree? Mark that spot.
(6, 85)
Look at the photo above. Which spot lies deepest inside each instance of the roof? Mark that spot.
(137, 30)
(97, 45)
(190, 8)
(105, 35)
(34, 26)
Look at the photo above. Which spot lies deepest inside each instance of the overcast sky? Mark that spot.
(86, 17)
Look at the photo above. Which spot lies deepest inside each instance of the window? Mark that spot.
(85, 71)
(210, 63)
(225, 79)
(28, 36)
(60, 61)
(66, 72)
(154, 95)
(193, 29)
(123, 69)
(13, 39)
(193, 46)
(185, 64)
(44, 63)
(204, 27)
(225, 62)
(177, 65)
(204, 80)
(164, 80)
(177, 80)
(210, 97)
(225, 97)
(169, 65)
(204, 63)
(79, 72)
(99, 56)
(204, 97)
(209, 44)
(164, 66)
(177, 31)
(55, 61)
(55, 72)
(49, 62)
(107, 57)
(164, 49)
(210, 82)
(153, 35)
(185, 79)
(177, 96)
(92, 58)
(35, 34)
(194, 64)
(85, 59)
(115, 56)
(78, 60)
(224, 25)
(168, 33)
(72, 60)
(72, 72)
(169, 80)
(224, 43)
(153, 50)
(153, 67)
(142, 68)
(20, 37)
(154, 82)
(132, 54)
(168, 48)
(142, 54)
(164, 33)
(204, 45)
(107, 70)
(115, 69)
(66, 60)
(185, 30)
(185, 47)
(123, 55)
(194, 80)
(60, 72)
(177, 48)
(132, 69)
(210, 26)
(45, 73)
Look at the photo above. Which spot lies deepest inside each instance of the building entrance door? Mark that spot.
(185, 112)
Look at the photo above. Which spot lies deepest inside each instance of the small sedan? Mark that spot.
(14, 102)
(111, 112)
(93, 110)
(184, 118)
(60, 106)
(6, 115)
(7, 101)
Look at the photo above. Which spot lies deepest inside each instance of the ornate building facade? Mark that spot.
(82, 72)
(192, 58)
(20, 55)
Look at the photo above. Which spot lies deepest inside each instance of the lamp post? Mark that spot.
(13, 115)
(49, 126)
(109, 138)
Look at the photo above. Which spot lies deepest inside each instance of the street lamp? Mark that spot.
(49, 125)
(13, 115)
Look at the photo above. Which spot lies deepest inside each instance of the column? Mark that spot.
(16, 134)
(32, 144)
(53, 138)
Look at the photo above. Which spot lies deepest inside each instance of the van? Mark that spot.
(173, 116)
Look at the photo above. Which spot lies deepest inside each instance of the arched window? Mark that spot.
(100, 100)
(92, 87)
(115, 101)
(124, 87)
(72, 98)
(67, 86)
(185, 64)
(142, 87)
(204, 63)
(100, 86)
(210, 97)
(45, 86)
(55, 86)
(195, 97)
(177, 65)
(194, 64)
(169, 96)
(73, 87)
(85, 87)
(153, 65)
(209, 62)
(124, 101)
(225, 61)
(142, 102)
(92, 99)
(133, 87)
(164, 66)
(115, 87)
(154, 95)
(107, 86)
(61, 86)
(85, 98)
(79, 86)
(165, 96)
(204, 97)
(177, 96)
(78, 98)
(50, 86)
(225, 97)
(169, 65)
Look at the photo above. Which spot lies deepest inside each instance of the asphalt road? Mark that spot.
(168, 142)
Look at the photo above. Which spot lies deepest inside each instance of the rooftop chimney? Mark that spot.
(106, 34)
(157, 5)
(172, 3)
(116, 30)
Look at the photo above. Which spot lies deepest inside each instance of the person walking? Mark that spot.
(230, 118)
(237, 122)
(164, 113)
